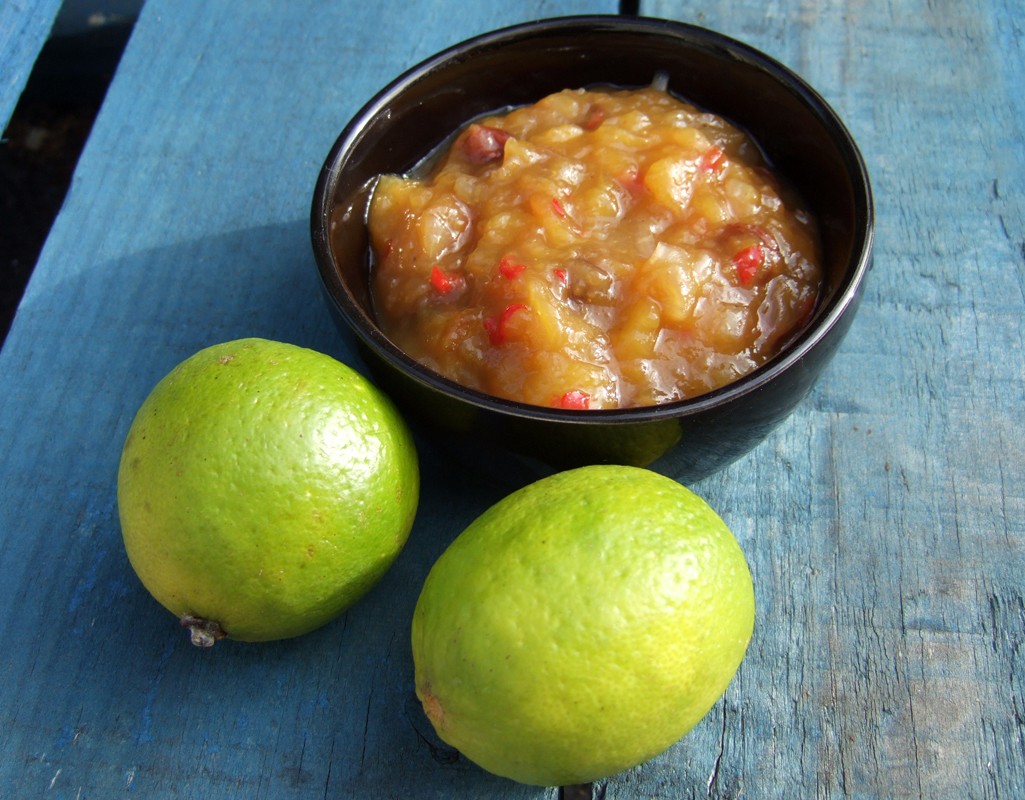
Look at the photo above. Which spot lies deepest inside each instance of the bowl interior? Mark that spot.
(800, 134)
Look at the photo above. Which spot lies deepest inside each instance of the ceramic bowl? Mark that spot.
(802, 136)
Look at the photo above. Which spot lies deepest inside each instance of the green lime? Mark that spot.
(263, 489)
(581, 625)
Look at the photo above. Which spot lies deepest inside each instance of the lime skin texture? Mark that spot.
(263, 489)
(581, 625)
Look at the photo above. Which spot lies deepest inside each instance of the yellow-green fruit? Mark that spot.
(263, 489)
(581, 625)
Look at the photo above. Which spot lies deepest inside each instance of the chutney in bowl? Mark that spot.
(598, 249)
(798, 133)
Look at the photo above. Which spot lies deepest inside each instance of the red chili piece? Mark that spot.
(484, 144)
(558, 209)
(595, 117)
(509, 268)
(444, 282)
(712, 159)
(560, 274)
(496, 326)
(747, 262)
(632, 180)
(575, 399)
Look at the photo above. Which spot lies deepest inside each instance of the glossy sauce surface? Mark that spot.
(598, 249)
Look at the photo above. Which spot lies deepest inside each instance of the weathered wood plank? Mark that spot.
(885, 522)
(186, 224)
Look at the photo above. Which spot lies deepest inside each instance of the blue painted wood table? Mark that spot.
(884, 522)
(24, 26)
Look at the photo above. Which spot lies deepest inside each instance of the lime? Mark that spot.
(581, 625)
(263, 489)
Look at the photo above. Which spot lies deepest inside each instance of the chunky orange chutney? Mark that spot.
(599, 249)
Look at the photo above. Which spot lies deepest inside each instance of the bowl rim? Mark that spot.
(793, 352)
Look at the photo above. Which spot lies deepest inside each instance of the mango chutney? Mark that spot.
(598, 249)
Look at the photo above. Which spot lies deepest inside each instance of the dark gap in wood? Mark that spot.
(40, 146)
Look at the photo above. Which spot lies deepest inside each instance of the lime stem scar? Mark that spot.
(202, 632)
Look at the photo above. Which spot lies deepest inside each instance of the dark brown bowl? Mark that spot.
(802, 136)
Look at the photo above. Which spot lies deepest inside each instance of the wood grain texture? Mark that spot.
(24, 26)
(187, 224)
(884, 522)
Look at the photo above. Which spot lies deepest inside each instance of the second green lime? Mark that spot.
(581, 625)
